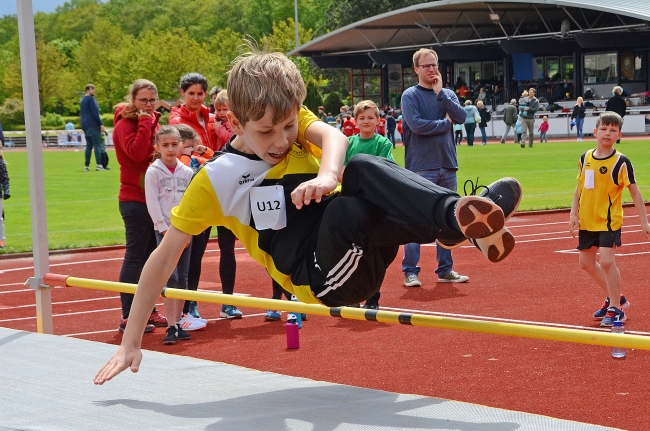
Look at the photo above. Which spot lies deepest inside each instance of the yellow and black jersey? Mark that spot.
(601, 183)
(252, 198)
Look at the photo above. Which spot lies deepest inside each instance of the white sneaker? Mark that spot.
(191, 318)
(100, 168)
(190, 323)
(453, 277)
(411, 280)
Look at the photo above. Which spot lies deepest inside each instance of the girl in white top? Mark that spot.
(165, 182)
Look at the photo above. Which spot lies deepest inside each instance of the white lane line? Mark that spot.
(26, 290)
(77, 301)
(74, 313)
(83, 262)
(497, 319)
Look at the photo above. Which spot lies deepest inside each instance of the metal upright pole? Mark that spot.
(295, 10)
(35, 166)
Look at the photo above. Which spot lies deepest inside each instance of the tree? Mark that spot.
(342, 13)
(313, 99)
(12, 112)
(106, 58)
(333, 102)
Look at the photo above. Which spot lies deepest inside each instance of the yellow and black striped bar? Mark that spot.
(487, 327)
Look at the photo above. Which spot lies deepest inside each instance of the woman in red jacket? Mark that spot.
(194, 88)
(136, 123)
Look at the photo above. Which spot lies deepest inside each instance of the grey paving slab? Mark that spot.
(46, 384)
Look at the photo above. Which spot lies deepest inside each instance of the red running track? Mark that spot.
(539, 283)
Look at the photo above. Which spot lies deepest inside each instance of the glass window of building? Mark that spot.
(601, 68)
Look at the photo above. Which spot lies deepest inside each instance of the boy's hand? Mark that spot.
(121, 360)
(574, 224)
(313, 190)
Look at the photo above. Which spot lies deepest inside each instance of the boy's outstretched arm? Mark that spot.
(334, 145)
(640, 209)
(574, 220)
(155, 274)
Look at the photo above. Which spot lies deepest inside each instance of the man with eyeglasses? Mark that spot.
(93, 127)
(429, 112)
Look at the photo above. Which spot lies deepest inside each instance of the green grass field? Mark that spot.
(82, 208)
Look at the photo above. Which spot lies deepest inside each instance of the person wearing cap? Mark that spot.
(510, 118)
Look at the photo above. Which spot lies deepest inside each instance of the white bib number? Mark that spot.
(268, 207)
(589, 179)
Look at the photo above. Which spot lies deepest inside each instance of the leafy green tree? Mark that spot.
(342, 13)
(107, 58)
(70, 22)
(313, 99)
(12, 113)
(332, 103)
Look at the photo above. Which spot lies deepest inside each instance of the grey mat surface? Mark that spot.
(46, 384)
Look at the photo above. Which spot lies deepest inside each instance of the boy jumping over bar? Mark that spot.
(324, 244)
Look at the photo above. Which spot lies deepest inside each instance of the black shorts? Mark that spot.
(588, 239)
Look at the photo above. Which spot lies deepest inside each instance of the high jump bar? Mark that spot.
(487, 327)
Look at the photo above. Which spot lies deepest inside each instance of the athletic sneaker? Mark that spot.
(175, 333)
(2, 243)
(191, 323)
(453, 277)
(99, 168)
(122, 327)
(411, 280)
(230, 312)
(449, 244)
(157, 319)
(613, 315)
(625, 304)
(497, 246)
(506, 193)
(272, 315)
(194, 310)
(86, 168)
(478, 217)
(370, 306)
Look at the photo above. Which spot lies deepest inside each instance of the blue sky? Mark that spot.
(8, 7)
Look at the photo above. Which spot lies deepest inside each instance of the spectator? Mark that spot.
(381, 125)
(510, 118)
(348, 125)
(578, 115)
(391, 125)
(428, 112)
(617, 104)
(4, 195)
(528, 117)
(368, 141)
(471, 116)
(93, 127)
(597, 213)
(223, 130)
(213, 93)
(193, 88)
(458, 133)
(485, 117)
(165, 182)
(321, 114)
(543, 129)
(136, 124)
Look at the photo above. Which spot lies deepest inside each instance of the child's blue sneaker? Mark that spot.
(613, 315)
(194, 310)
(230, 312)
(272, 315)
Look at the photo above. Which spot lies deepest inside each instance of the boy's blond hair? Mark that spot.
(610, 118)
(221, 98)
(524, 93)
(258, 80)
(366, 104)
(420, 52)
